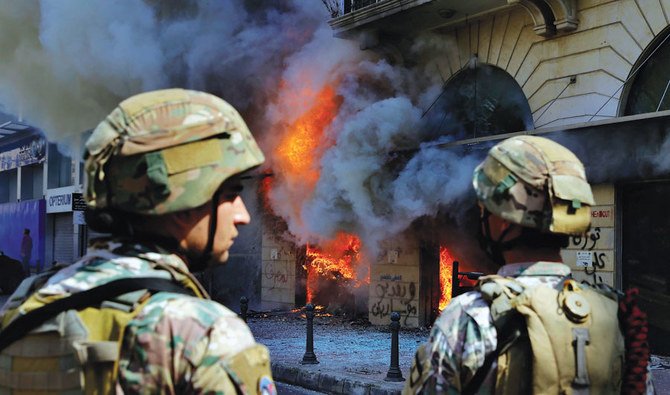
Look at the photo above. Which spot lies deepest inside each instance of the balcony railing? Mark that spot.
(353, 5)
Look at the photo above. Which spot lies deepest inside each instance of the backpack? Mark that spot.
(550, 341)
(71, 344)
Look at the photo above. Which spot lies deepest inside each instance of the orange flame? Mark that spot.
(296, 161)
(297, 153)
(335, 259)
(446, 270)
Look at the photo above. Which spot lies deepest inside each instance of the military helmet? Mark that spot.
(166, 151)
(535, 182)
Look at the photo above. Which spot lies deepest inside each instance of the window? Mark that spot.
(60, 168)
(479, 101)
(31, 182)
(8, 186)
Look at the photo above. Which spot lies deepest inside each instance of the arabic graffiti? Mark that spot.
(395, 296)
(276, 274)
(589, 239)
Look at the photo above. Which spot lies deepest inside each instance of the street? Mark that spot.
(287, 389)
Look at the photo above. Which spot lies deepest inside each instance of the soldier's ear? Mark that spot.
(187, 218)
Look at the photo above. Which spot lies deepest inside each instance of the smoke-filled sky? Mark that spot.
(66, 64)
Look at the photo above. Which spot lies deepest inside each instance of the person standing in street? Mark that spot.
(531, 328)
(26, 251)
(163, 176)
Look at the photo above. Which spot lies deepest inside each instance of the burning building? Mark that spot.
(590, 74)
(373, 117)
(555, 68)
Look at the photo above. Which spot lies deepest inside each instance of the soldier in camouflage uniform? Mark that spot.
(163, 177)
(532, 194)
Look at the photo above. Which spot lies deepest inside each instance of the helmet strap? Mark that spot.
(206, 255)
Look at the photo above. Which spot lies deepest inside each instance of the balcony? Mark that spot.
(405, 16)
(402, 17)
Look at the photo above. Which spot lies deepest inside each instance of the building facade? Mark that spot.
(591, 74)
(40, 190)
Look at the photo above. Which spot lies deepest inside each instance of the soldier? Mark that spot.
(163, 178)
(531, 328)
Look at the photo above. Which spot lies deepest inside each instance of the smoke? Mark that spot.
(67, 64)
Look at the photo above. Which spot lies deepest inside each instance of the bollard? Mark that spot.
(394, 373)
(309, 358)
(244, 305)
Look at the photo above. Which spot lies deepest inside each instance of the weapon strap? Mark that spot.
(91, 297)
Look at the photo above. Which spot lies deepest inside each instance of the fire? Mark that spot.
(299, 149)
(446, 269)
(336, 259)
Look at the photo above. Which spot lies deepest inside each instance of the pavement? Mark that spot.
(354, 357)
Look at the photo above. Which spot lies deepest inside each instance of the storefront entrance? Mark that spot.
(646, 254)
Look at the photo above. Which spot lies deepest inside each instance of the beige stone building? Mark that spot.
(589, 73)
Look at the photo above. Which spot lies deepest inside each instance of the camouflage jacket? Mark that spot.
(176, 343)
(463, 335)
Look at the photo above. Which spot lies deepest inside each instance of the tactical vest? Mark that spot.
(77, 349)
(552, 341)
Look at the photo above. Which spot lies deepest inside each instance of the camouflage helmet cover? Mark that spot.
(535, 182)
(165, 151)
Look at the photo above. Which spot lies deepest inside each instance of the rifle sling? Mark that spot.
(91, 297)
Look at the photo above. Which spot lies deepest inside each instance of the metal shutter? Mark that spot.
(63, 238)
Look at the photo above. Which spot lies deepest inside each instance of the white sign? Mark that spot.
(59, 200)
(392, 256)
(584, 259)
(78, 218)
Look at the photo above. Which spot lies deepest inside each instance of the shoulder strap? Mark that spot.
(511, 330)
(91, 297)
(510, 326)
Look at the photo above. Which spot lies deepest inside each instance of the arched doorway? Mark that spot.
(480, 100)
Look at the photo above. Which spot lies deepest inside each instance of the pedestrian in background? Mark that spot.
(163, 177)
(26, 251)
(531, 328)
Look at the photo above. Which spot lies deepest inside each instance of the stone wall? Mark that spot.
(278, 273)
(394, 284)
(592, 258)
(601, 53)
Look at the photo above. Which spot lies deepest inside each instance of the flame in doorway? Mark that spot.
(446, 270)
(337, 259)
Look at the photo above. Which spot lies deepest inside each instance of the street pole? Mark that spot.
(309, 358)
(394, 373)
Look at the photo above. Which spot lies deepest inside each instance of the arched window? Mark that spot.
(480, 100)
(649, 88)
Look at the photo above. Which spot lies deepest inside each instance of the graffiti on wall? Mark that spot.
(594, 251)
(395, 296)
(276, 275)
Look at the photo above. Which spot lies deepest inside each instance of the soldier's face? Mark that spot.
(230, 213)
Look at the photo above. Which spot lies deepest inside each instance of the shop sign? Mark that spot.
(59, 200)
(78, 202)
(23, 152)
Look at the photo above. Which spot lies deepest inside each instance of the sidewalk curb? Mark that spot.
(325, 382)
